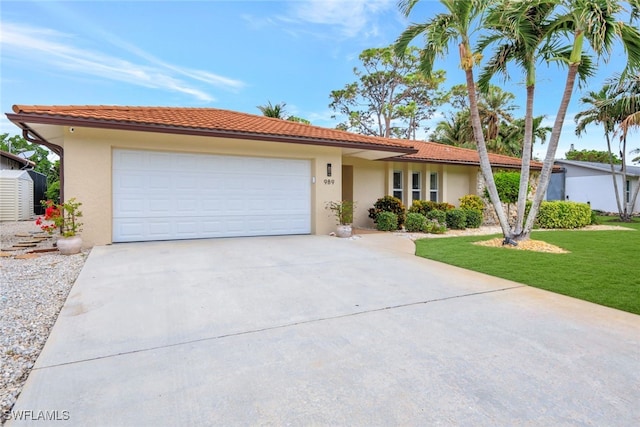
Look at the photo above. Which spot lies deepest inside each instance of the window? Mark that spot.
(628, 191)
(416, 189)
(397, 184)
(433, 187)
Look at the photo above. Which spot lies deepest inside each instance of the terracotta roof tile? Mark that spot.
(441, 153)
(205, 119)
(212, 120)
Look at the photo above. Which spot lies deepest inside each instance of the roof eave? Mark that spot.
(22, 119)
(453, 162)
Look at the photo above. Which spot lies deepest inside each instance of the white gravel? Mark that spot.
(32, 292)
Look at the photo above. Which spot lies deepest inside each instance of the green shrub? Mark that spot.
(456, 219)
(508, 186)
(437, 215)
(562, 214)
(434, 227)
(388, 204)
(387, 221)
(425, 206)
(594, 218)
(53, 192)
(415, 222)
(473, 218)
(471, 201)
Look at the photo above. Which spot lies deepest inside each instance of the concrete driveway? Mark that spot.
(314, 330)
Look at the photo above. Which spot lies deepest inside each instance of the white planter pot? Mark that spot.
(344, 231)
(69, 245)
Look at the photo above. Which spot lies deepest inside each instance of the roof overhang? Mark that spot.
(51, 129)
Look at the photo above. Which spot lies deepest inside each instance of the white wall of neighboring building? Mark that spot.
(597, 189)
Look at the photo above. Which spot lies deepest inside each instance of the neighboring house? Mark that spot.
(12, 162)
(161, 173)
(590, 182)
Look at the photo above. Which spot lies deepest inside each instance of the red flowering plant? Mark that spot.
(62, 216)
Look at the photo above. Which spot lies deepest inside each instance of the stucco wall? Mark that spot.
(460, 181)
(599, 191)
(88, 168)
(369, 184)
(374, 179)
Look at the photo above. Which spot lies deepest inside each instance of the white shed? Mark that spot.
(16, 195)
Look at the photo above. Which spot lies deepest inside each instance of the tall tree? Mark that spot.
(495, 109)
(391, 97)
(587, 23)
(596, 156)
(515, 132)
(581, 23)
(456, 26)
(627, 104)
(454, 130)
(518, 29)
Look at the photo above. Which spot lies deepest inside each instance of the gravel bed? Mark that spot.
(32, 292)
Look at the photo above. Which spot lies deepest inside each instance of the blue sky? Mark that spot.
(232, 55)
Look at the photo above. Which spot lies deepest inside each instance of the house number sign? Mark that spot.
(329, 181)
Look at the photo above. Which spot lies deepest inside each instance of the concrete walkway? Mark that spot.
(314, 330)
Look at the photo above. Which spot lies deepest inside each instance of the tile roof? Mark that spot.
(441, 153)
(232, 124)
(201, 121)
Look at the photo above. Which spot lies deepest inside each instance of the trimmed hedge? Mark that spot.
(387, 221)
(388, 204)
(471, 201)
(437, 215)
(415, 222)
(456, 219)
(473, 218)
(562, 214)
(434, 227)
(425, 206)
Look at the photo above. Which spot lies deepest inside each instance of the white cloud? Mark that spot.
(34, 44)
(328, 18)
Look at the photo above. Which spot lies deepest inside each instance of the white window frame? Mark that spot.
(433, 190)
(398, 191)
(416, 186)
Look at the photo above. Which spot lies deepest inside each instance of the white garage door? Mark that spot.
(167, 196)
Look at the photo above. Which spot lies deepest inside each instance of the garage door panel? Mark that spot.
(163, 196)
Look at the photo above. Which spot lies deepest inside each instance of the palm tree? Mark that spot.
(456, 25)
(515, 133)
(627, 104)
(455, 130)
(276, 111)
(495, 107)
(585, 21)
(600, 112)
(520, 29)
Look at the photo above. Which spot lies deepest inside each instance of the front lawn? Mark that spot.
(602, 267)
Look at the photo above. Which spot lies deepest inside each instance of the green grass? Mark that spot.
(602, 266)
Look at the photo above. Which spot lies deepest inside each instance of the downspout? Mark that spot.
(56, 150)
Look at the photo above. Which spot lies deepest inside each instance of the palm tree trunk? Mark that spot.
(527, 150)
(547, 167)
(634, 198)
(613, 172)
(485, 164)
(626, 216)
